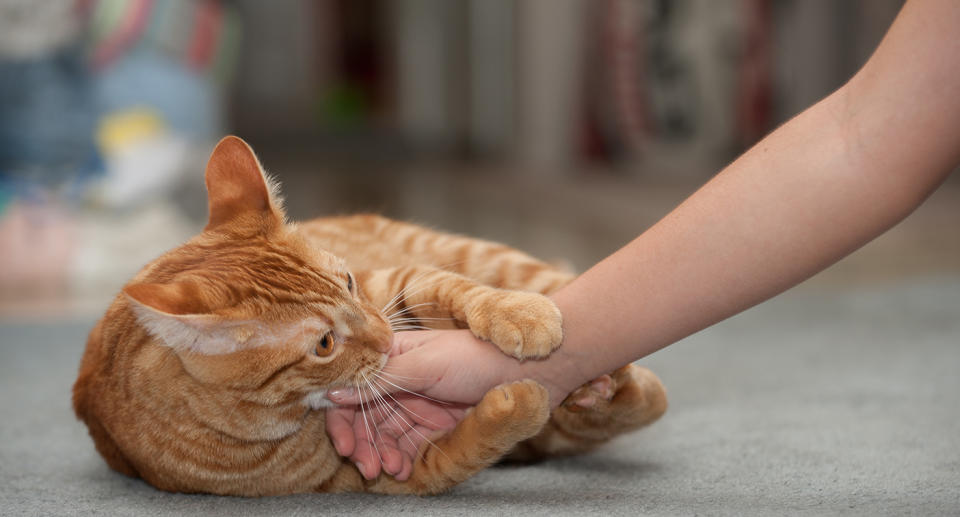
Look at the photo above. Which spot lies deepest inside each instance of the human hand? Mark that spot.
(425, 389)
(387, 433)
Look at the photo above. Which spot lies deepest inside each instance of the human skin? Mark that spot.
(824, 184)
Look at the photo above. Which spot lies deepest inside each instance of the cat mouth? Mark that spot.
(367, 378)
(369, 373)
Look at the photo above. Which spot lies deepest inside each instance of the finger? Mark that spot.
(406, 469)
(344, 396)
(402, 374)
(361, 427)
(366, 459)
(381, 451)
(429, 413)
(418, 440)
(391, 456)
(340, 429)
(405, 341)
(395, 423)
(410, 444)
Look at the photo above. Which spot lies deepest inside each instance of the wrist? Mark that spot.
(577, 361)
(560, 374)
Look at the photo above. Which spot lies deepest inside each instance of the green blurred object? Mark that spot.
(344, 106)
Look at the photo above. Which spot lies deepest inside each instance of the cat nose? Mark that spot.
(379, 342)
(382, 345)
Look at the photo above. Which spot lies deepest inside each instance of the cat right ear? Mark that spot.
(173, 314)
(237, 189)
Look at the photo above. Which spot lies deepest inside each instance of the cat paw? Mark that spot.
(591, 394)
(523, 325)
(518, 407)
(626, 399)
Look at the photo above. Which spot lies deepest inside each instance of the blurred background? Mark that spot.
(564, 127)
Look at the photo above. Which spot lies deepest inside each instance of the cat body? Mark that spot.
(209, 370)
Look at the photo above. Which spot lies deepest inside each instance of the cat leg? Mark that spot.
(598, 411)
(506, 415)
(522, 324)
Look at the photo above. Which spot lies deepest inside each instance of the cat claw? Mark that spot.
(588, 395)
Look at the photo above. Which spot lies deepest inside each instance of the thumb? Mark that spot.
(404, 371)
(406, 341)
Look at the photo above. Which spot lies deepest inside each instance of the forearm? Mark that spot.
(813, 191)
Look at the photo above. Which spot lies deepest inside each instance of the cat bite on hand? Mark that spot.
(208, 371)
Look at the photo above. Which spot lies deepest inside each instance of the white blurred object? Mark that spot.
(142, 170)
(550, 45)
(111, 249)
(34, 28)
(144, 159)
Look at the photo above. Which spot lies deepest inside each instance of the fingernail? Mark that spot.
(341, 394)
(363, 470)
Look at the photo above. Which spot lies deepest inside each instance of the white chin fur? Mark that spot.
(318, 400)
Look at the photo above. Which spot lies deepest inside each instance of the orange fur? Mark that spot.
(207, 371)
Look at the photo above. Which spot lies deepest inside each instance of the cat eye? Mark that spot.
(324, 345)
(349, 282)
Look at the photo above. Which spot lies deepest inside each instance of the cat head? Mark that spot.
(248, 303)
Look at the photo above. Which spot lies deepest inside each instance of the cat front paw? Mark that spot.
(523, 405)
(523, 325)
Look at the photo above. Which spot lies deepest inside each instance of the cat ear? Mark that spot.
(175, 299)
(173, 314)
(236, 186)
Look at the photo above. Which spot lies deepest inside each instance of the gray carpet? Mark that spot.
(823, 401)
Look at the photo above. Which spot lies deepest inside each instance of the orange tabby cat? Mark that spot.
(208, 372)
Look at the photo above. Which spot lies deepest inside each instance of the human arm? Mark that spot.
(822, 185)
(825, 183)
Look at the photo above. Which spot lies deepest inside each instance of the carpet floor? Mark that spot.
(823, 401)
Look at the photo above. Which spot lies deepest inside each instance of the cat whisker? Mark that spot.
(449, 265)
(400, 295)
(391, 302)
(406, 293)
(407, 409)
(401, 388)
(419, 318)
(392, 412)
(413, 424)
(410, 308)
(403, 321)
(377, 402)
(366, 424)
(402, 377)
(406, 322)
(402, 328)
(378, 392)
(402, 312)
(396, 298)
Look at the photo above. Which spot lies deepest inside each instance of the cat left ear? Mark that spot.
(173, 314)
(236, 186)
(175, 299)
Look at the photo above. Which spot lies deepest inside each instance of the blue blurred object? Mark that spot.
(47, 120)
(184, 97)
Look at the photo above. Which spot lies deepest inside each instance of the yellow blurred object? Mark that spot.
(123, 128)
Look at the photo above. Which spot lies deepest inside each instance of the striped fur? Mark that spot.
(207, 373)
